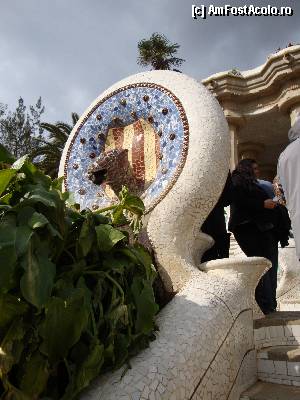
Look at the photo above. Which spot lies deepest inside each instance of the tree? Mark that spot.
(3, 108)
(50, 150)
(20, 130)
(158, 52)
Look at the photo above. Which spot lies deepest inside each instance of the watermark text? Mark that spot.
(203, 11)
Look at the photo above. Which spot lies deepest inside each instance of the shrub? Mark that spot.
(76, 296)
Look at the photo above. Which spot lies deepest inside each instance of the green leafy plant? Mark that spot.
(76, 295)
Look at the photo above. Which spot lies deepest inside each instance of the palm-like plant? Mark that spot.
(158, 52)
(50, 150)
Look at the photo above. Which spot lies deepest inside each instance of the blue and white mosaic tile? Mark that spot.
(127, 105)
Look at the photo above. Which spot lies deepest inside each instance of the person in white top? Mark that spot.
(288, 170)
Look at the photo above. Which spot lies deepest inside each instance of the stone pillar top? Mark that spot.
(263, 80)
(294, 112)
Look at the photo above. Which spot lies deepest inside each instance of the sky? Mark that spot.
(69, 51)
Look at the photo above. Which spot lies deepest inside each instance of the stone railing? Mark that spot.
(288, 290)
(204, 348)
(289, 274)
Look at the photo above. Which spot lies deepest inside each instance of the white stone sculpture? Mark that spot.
(173, 225)
(204, 348)
(288, 292)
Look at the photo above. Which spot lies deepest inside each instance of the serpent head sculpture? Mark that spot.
(170, 146)
(113, 168)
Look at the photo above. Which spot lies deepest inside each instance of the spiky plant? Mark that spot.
(158, 52)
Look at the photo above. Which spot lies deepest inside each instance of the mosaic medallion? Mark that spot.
(137, 137)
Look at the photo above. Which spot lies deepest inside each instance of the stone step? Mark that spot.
(280, 328)
(290, 305)
(271, 391)
(279, 364)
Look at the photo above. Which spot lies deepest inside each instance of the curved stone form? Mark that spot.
(288, 289)
(289, 274)
(204, 348)
(173, 225)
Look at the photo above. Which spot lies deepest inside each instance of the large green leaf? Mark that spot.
(100, 219)
(108, 237)
(5, 199)
(144, 259)
(35, 379)
(11, 307)
(37, 220)
(5, 155)
(134, 204)
(139, 255)
(121, 343)
(8, 256)
(6, 176)
(15, 394)
(57, 184)
(145, 304)
(115, 262)
(24, 213)
(7, 230)
(39, 195)
(93, 295)
(37, 281)
(118, 217)
(90, 368)
(38, 177)
(12, 346)
(23, 236)
(8, 260)
(87, 235)
(118, 314)
(131, 202)
(65, 320)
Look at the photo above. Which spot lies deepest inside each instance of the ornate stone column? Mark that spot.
(233, 130)
(294, 111)
(290, 101)
(235, 121)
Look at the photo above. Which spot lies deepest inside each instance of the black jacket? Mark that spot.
(215, 223)
(248, 206)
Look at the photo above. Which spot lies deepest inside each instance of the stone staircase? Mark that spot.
(277, 336)
(277, 341)
(291, 300)
(271, 391)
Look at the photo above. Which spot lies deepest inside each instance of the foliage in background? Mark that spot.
(76, 296)
(158, 52)
(50, 150)
(20, 130)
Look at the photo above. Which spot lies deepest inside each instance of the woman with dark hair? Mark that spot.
(253, 220)
(215, 226)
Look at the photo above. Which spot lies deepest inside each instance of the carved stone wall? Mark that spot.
(204, 348)
(259, 104)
